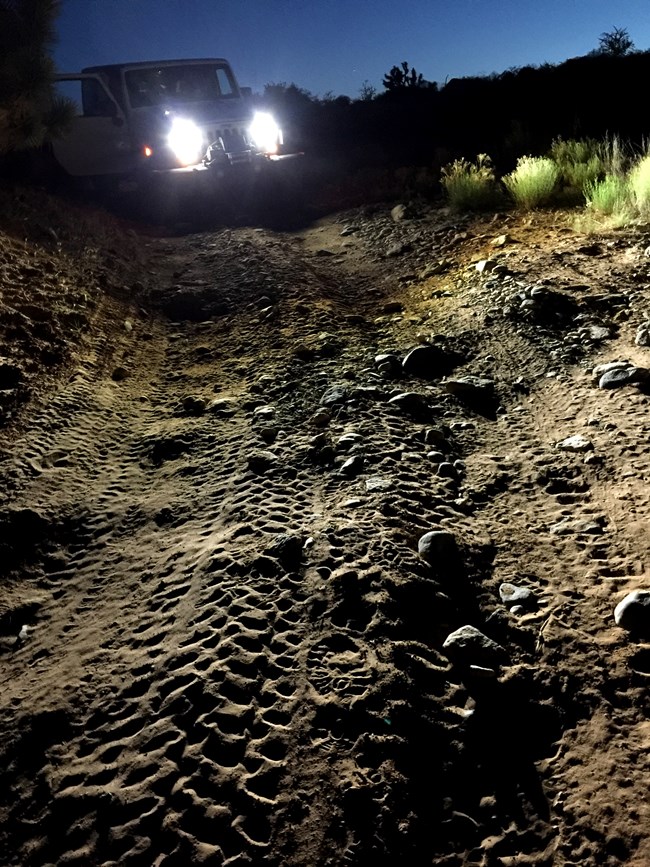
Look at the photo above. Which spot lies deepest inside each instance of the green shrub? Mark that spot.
(533, 181)
(470, 186)
(639, 186)
(610, 197)
(579, 163)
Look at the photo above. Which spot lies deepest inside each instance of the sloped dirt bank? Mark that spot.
(225, 639)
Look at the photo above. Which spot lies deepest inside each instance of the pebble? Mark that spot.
(575, 443)
(377, 483)
(643, 334)
(260, 461)
(409, 401)
(425, 362)
(621, 376)
(518, 597)
(447, 470)
(470, 387)
(335, 394)
(347, 440)
(470, 646)
(352, 467)
(438, 546)
(633, 612)
(574, 525)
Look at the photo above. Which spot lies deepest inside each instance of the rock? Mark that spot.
(620, 376)
(575, 443)
(377, 484)
(599, 369)
(193, 405)
(397, 250)
(347, 440)
(410, 402)
(399, 213)
(426, 362)
(119, 374)
(576, 526)
(470, 387)
(393, 307)
(335, 395)
(643, 334)
(352, 467)
(469, 646)
(501, 240)
(633, 612)
(260, 461)
(486, 265)
(598, 333)
(435, 437)
(447, 470)
(438, 548)
(517, 597)
(287, 548)
(321, 418)
(222, 407)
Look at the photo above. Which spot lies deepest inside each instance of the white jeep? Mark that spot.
(163, 116)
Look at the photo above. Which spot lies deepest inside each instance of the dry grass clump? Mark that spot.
(470, 186)
(533, 182)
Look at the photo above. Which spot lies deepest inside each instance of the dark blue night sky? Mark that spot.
(336, 45)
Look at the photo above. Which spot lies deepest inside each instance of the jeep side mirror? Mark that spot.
(246, 92)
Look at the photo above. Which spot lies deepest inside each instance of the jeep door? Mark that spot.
(98, 140)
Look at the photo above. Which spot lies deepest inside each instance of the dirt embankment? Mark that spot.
(311, 544)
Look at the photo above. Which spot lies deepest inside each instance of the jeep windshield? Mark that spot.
(167, 85)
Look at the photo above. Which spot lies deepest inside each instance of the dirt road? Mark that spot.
(225, 641)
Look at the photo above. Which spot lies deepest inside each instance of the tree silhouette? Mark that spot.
(616, 43)
(30, 113)
(403, 77)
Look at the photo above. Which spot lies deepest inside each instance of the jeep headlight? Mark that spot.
(265, 133)
(186, 141)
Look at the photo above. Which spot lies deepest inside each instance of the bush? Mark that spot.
(639, 186)
(610, 197)
(579, 163)
(470, 186)
(29, 111)
(533, 181)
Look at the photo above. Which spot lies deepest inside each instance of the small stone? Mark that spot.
(393, 307)
(633, 612)
(575, 443)
(426, 362)
(486, 265)
(321, 418)
(221, 406)
(516, 597)
(410, 401)
(193, 405)
(352, 467)
(119, 374)
(335, 395)
(470, 387)
(447, 470)
(260, 461)
(598, 333)
(287, 548)
(501, 240)
(643, 334)
(438, 548)
(397, 250)
(619, 377)
(377, 484)
(470, 646)
(347, 440)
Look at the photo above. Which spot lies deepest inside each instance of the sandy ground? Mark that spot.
(220, 643)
